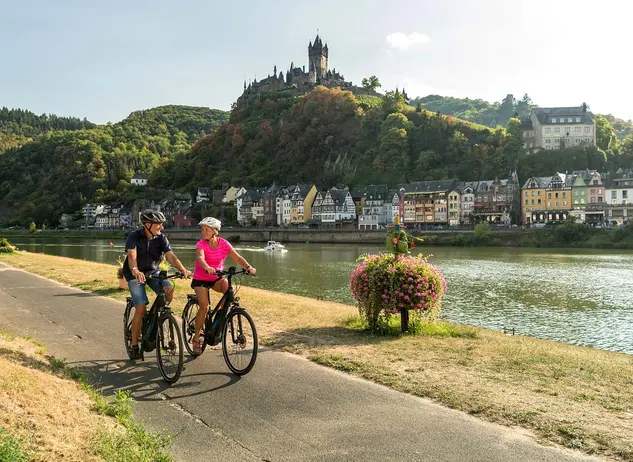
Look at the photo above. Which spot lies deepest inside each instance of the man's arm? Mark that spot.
(173, 260)
(131, 262)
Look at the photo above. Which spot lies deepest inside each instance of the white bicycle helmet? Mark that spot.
(211, 223)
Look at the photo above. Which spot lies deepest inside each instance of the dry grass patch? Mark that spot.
(31, 409)
(578, 397)
(46, 415)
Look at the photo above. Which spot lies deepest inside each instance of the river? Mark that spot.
(576, 296)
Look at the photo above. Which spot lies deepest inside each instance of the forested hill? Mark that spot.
(59, 170)
(28, 124)
(330, 137)
(493, 114)
(477, 110)
(327, 137)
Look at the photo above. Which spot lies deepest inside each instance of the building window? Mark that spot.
(548, 130)
(539, 202)
(577, 129)
(532, 201)
(564, 203)
(549, 195)
(548, 141)
(553, 120)
(587, 130)
(526, 193)
(567, 130)
(577, 119)
(593, 200)
(549, 204)
(556, 129)
(625, 194)
(614, 194)
(556, 195)
(564, 195)
(569, 119)
(582, 201)
(538, 193)
(532, 192)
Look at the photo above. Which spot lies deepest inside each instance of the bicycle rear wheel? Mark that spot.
(128, 315)
(239, 342)
(189, 327)
(169, 350)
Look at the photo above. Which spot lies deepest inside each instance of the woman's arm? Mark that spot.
(202, 262)
(237, 258)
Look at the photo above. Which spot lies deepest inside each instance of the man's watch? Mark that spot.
(135, 268)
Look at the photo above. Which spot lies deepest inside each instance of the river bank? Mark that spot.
(575, 396)
(568, 235)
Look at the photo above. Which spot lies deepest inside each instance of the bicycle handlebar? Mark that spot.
(231, 272)
(164, 275)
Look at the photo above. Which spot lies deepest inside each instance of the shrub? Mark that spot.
(482, 232)
(385, 283)
(5, 246)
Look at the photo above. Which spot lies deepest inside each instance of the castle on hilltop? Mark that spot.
(298, 79)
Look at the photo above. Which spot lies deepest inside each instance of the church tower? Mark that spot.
(317, 59)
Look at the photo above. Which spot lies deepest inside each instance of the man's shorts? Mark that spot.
(137, 289)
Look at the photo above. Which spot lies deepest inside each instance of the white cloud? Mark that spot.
(404, 42)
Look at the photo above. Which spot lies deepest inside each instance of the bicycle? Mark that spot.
(227, 322)
(154, 331)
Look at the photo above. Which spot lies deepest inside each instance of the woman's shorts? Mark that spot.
(200, 283)
(137, 289)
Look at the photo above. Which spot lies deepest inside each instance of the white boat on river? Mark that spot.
(274, 246)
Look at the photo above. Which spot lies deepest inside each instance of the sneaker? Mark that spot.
(197, 346)
(135, 352)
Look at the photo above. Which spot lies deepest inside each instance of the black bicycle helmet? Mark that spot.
(151, 216)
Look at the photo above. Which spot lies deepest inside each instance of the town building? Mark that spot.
(558, 128)
(140, 179)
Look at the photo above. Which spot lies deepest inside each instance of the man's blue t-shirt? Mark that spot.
(149, 252)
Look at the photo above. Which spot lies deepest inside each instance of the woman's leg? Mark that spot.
(222, 286)
(203, 302)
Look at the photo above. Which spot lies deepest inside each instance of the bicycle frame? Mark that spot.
(159, 307)
(228, 301)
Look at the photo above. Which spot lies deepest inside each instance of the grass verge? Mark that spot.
(50, 412)
(578, 397)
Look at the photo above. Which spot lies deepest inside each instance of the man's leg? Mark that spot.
(136, 323)
(139, 298)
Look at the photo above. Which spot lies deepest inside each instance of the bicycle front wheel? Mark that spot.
(127, 328)
(169, 349)
(239, 342)
(189, 327)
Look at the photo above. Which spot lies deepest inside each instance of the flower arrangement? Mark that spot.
(387, 283)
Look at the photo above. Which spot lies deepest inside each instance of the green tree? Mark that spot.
(605, 134)
(32, 227)
(371, 83)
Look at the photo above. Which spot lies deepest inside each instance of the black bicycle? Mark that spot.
(159, 329)
(231, 325)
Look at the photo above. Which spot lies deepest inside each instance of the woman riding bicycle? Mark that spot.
(211, 252)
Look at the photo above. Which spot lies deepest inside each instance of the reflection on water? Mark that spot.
(577, 296)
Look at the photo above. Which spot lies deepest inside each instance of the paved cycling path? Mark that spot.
(286, 409)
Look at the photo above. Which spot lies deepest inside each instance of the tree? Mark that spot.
(605, 135)
(507, 108)
(371, 83)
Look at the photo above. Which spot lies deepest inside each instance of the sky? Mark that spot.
(103, 60)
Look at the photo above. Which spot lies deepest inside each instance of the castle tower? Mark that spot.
(317, 57)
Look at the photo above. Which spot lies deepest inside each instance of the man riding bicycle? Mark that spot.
(145, 249)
